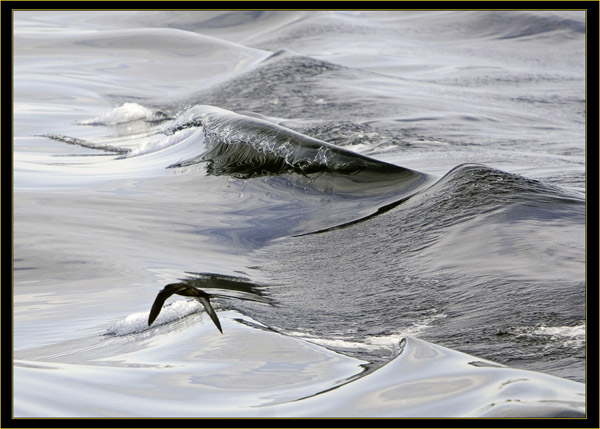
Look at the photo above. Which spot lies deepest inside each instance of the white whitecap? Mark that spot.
(570, 335)
(127, 112)
(138, 322)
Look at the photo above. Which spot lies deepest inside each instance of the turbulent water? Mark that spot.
(389, 208)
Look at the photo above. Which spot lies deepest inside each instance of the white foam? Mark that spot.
(160, 141)
(389, 342)
(569, 335)
(376, 342)
(127, 112)
(138, 322)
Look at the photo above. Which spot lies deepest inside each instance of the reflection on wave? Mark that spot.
(210, 375)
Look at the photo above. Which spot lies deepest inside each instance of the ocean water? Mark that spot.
(389, 207)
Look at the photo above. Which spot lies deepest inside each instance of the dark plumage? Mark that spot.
(183, 290)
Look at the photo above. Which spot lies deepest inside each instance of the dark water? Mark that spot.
(359, 178)
(454, 254)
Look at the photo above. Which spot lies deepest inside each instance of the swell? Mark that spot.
(478, 238)
(474, 190)
(295, 184)
(245, 147)
(236, 145)
(304, 184)
(522, 24)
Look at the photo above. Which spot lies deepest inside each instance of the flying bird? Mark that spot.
(183, 290)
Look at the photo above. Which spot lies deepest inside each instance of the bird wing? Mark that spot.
(162, 296)
(211, 312)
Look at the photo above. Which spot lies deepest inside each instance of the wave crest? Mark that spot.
(245, 147)
(126, 113)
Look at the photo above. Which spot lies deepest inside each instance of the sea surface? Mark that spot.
(389, 207)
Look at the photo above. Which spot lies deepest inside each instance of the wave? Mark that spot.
(245, 147)
(237, 145)
(126, 113)
(477, 189)
(526, 24)
(301, 86)
(424, 379)
(329, 185)
(477, 238)
(295, 184)
(480, 26)
(250, 147)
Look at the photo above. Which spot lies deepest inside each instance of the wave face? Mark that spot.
(476, 239)
(246, 147)
(387, 208)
